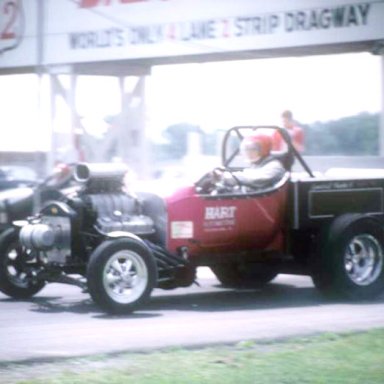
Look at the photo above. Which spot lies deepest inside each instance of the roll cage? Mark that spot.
(234, 136)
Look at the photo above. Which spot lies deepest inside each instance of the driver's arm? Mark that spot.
(261, 177)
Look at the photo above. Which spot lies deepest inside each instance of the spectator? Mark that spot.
(295, 131)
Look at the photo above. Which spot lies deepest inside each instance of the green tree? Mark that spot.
(349, 136)
(175, 146)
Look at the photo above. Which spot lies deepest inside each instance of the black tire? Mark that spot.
(350, 261)
(131, 270)
(243, 275)
(183, 277)
(17, 268)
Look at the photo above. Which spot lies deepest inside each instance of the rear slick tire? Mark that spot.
(234, 275)
(350, 264)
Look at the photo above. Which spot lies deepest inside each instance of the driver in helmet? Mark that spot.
(263, 170)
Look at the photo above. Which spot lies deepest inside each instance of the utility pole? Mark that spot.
(378, 49)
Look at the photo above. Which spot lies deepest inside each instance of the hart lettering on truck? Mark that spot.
(218, 213)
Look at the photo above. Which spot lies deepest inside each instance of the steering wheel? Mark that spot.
(214, 182)
(206, 183)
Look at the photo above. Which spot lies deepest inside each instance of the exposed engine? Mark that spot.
(104, 197)
(101, 205)
(64, 238)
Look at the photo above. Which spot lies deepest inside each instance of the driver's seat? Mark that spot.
(285, 157)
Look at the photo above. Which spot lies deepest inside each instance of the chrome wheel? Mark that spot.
(17, 269)
(363, 259)
(125, 277)
(121, 275)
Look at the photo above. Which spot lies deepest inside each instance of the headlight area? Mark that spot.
(50, 237)
(37, 236)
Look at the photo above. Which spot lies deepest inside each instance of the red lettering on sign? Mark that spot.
(130, 1)
(10, 10)
(98, 3)
(226, 32)
(94, 3)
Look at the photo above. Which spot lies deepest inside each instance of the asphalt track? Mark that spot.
(61, 321)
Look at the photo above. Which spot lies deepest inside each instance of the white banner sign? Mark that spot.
(102, 30)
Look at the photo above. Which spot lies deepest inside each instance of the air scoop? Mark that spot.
(85, 172)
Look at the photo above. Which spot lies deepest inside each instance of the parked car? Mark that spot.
(120, 246)
(13, 176)
(23, 199)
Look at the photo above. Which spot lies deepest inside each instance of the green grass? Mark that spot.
(328, 358)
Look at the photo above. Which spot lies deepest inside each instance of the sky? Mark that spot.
(315, 88)
(211, 95)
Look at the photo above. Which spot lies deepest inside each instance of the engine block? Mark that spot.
(119, 212)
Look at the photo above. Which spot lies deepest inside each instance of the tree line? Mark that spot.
(349, 136)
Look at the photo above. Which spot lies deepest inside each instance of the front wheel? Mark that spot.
(351, 262)
(18, 268)
(121, 275)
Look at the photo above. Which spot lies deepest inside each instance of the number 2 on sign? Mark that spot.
(8, 13)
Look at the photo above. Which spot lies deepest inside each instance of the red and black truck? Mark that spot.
(119, 246)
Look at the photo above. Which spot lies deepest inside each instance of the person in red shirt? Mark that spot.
(295, 131)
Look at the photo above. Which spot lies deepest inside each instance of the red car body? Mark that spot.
(224, 225)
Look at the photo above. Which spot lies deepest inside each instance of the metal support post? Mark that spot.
(132, 143)
(381, 134)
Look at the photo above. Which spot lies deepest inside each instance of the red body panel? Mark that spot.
(225, 224)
